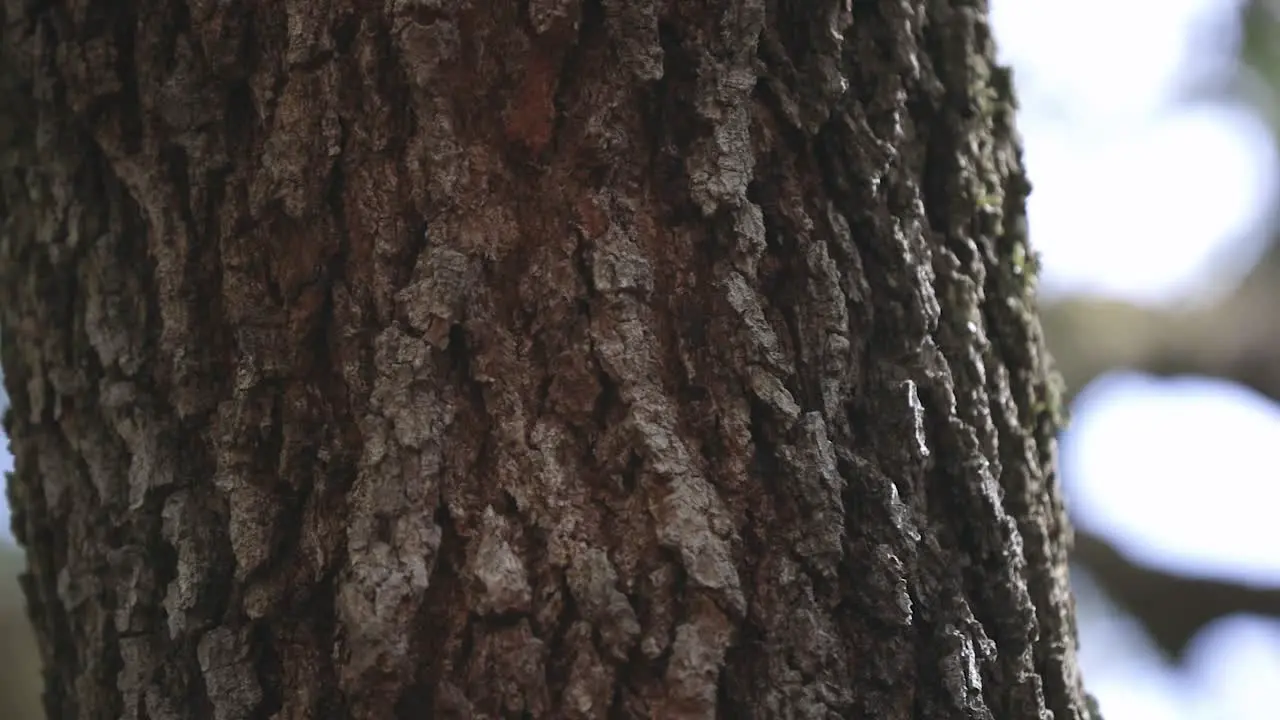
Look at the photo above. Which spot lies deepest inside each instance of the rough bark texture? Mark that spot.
(561, 358)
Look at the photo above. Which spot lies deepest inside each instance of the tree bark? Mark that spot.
(581, 359)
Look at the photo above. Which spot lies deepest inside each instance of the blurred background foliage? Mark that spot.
(1151, 132)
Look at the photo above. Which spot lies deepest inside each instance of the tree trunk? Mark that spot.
(559, 359)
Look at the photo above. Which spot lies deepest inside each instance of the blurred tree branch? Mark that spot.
(1172, 607)
(1236, 338)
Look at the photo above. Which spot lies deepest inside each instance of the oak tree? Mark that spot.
(545, 359)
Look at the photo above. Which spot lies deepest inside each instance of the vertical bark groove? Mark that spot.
(561, 358)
